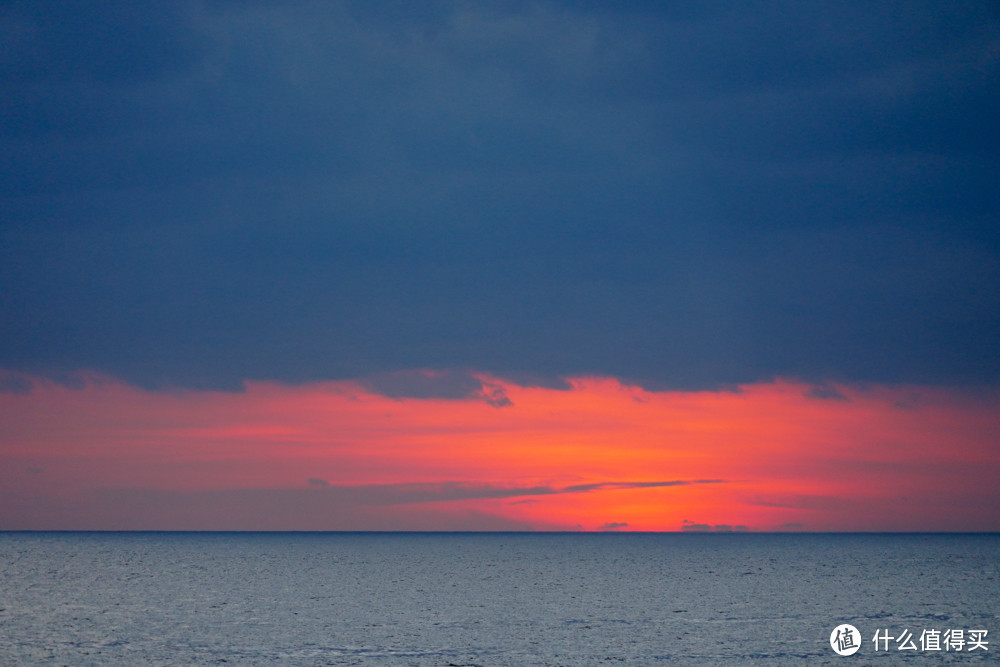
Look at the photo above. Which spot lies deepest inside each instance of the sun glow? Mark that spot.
(596, 455)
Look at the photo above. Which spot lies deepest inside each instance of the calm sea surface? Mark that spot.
(488, 599)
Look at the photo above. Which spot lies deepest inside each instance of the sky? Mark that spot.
(271, 265)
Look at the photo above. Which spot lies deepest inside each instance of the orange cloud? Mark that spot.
(489, 454)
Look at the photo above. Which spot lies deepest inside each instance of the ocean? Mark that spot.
(499, 599)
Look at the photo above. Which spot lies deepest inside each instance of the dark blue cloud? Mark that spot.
(206, 192)
(436, 384)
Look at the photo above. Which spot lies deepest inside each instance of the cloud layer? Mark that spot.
(201, 193)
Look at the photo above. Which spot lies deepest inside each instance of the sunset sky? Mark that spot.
(273, 265)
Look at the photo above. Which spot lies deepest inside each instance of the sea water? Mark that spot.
(490, 599)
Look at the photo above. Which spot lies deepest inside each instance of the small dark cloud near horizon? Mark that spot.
(614, 525)
(791, 526)
(196, 195)
(692, 527)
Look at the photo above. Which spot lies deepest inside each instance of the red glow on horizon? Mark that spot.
(332, 456)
